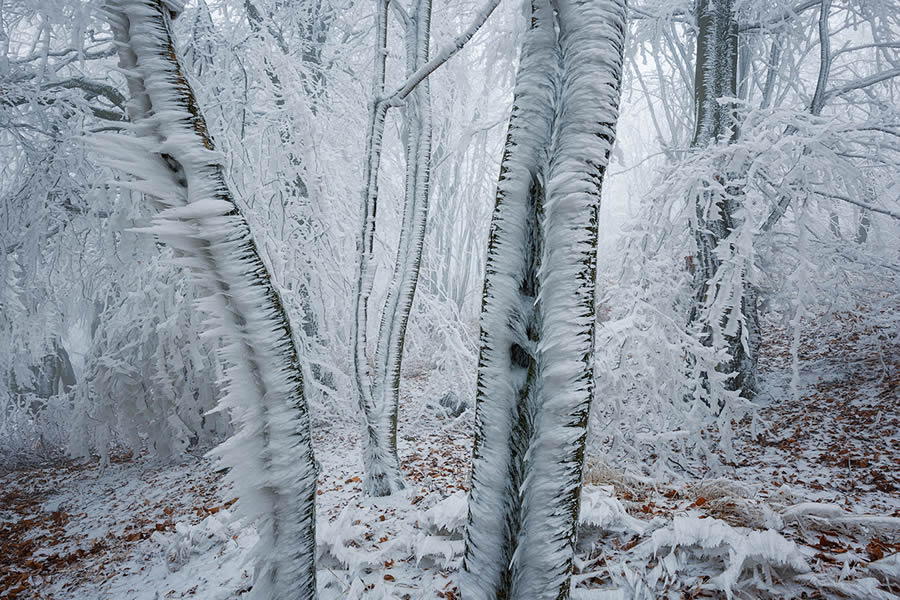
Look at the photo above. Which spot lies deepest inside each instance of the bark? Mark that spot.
(51, 376)
(864, 223)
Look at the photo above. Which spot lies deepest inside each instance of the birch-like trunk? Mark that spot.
(402, 289)
(535, 373)
(378, 382)
(382, 467)
(171, 158)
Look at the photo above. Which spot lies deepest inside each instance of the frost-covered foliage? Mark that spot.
(47, 212)
(171, 159)
(813, 211)
(750, 559)
(535, 382)
(150, 379)
(738, 545)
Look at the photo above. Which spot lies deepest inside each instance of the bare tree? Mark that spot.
(536, 365)
(171, 159)
(378, 381)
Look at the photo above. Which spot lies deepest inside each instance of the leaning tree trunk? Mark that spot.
(535, 373)
(171, 157)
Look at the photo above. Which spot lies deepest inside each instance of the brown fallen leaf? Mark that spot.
(875, 549)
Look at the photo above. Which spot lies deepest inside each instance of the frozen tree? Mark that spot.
(171, 158)
(536, 367)
(810, 105)
(715, 82)
(378, 386)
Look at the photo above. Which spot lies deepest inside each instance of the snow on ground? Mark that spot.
(811, 507)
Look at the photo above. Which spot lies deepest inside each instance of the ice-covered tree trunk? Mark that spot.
(402, 289)
(378, 382)
(716, 70)
(535, 374)
(379, 440)
(171, 158)
(716, 77)
(506, 369)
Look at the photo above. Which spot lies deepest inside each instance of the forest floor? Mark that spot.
(810, 508)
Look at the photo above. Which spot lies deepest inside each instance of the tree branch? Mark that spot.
(865, 82)
(445, 54)
(815, 106)
(401, 14)
(783, 17)
(678, 16)
(819, 97)
(883, 211)
(105, 53)
(93, 88)
(866, 47)
(256, 20)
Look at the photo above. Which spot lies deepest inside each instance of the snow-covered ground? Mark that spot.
(811, 508)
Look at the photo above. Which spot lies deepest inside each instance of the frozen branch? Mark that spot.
(445, 54)
(876, 209)
(93, 89)
(68, 53)
(866, 47)
(401, 14)
(819, 97)
(256, 20)
(815, 106)
(863, 83)
(780, 18)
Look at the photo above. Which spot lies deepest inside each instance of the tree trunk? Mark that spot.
(379, 439)
(172, 159)
(717, 77)
(535, 373)
(398, 304)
